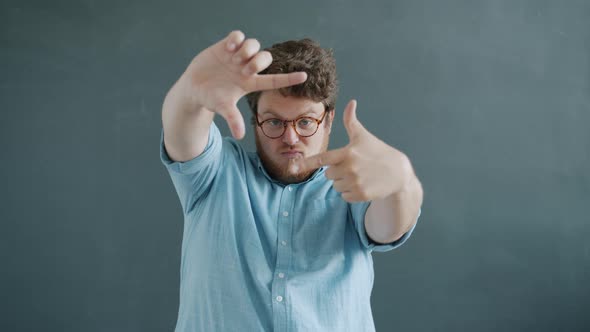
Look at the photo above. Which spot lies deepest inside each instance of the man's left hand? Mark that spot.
(366, 168)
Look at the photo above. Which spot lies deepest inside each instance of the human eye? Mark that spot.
(274, 122)
(305, 122)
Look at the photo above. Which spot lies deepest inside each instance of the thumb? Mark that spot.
(234, 120)
(351, 123)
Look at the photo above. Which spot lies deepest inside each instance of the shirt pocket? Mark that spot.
(323, 230)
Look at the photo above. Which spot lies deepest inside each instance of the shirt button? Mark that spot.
(279, 298)
(285, 213)
(290, 189)
(281, 275)
(284, 243)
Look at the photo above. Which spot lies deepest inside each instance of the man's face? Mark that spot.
(278, 155)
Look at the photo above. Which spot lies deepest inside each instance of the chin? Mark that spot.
(284, 172)
(295, 178)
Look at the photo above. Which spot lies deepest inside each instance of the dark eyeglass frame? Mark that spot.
(293, 122)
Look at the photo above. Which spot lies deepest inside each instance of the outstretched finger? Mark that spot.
(327, 158)
(277, 81)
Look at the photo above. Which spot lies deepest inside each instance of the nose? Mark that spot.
(290, 136)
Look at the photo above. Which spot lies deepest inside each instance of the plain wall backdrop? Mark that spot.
(489, 99)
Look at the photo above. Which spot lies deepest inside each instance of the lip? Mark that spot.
(291, 153)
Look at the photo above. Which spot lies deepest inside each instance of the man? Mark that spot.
(280, 239)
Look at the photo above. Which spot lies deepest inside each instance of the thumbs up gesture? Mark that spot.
(366, 168)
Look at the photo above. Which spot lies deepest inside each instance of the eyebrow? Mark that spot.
(273, 113)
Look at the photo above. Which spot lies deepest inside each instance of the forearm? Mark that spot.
(186, 125)
(389, 218)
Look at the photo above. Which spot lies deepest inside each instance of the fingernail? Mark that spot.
(231, 46)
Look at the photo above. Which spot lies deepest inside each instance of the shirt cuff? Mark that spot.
(380, 247)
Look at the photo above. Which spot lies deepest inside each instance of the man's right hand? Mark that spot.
(226, 71)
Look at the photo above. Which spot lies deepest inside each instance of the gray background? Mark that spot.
(490, 99)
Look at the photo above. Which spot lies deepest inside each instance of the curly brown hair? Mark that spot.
(302, 55)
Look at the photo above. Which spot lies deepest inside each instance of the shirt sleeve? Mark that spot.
(193, 178)
(358, 211)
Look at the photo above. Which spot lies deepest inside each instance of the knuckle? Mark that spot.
(248, 70)
(229, 116)
(353, 169)
(245, 50)
(349, 153)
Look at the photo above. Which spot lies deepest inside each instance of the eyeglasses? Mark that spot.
(304, 126)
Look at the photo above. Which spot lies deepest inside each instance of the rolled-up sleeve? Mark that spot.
(358, 212)
(192, 178)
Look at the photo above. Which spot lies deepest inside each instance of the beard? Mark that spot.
(286, 172)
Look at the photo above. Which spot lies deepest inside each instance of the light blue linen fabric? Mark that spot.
(258, 255)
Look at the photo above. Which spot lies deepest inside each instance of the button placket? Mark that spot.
(283, 258)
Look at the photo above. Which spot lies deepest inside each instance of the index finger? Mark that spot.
(277, 81)
(327, 158)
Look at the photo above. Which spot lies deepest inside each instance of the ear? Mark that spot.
(331, 116)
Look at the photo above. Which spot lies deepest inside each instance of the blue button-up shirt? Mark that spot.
(259, 255)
